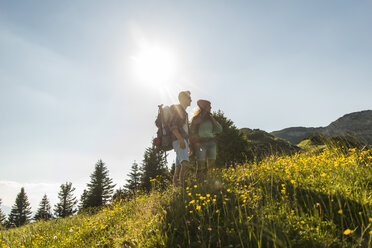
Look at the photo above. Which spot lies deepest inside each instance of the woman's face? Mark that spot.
(208, 108)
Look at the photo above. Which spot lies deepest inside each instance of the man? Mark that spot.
(180, 136)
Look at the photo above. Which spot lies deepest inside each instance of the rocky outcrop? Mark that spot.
(357, 124)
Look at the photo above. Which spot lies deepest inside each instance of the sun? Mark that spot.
(154, 65)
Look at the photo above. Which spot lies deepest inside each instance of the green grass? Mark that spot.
(132, 223)
(317, 199)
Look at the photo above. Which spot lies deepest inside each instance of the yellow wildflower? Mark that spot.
(347, 232)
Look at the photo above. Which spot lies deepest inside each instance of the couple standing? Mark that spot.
(196, 138)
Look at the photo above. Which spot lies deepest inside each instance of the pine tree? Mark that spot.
(154, 165)
(2, 217)
(83, 200)
(66, 205)
(44, 210)
(232, 147)
(21, 210)
(100, 187)
(134, 180)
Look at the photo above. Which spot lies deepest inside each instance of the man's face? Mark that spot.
(188, 100)
(185, 100)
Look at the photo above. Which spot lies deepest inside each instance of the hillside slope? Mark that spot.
(320, 199)
(357, 124)
(263, 144)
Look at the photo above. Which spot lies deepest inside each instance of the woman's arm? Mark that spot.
(217, 128)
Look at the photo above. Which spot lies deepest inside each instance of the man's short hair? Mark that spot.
(184, 94)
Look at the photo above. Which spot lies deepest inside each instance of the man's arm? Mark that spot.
(181, 141)
(175, 124)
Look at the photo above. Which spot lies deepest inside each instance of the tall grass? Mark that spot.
(134, 223)
(317, 199)
(321, 199)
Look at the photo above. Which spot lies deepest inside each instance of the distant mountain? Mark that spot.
(357, 124)
(261, 144)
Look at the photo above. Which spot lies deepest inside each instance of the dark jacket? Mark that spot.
(178, 121)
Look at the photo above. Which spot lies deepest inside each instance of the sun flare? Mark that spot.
(154, 65)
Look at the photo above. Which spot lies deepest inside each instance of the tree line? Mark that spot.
(232, 148)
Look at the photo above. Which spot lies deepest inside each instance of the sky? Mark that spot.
(81, 80)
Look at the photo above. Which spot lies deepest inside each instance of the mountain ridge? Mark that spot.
(355, 124)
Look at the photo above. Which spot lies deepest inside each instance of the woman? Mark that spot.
(203, 133)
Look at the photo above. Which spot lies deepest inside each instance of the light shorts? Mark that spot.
(207, 150)
(181, 154)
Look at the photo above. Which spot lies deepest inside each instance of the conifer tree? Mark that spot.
(2, 217)
(83, 200)
(21, 210)
(44, 210)
(100, 187)
(134, 180)
(66, 205)
(154, 164)
(232, 147)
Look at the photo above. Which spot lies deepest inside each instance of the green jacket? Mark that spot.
(206, 130)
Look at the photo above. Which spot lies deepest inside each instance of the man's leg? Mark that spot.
(184, 169)
(176, 176)
(182, 160)
(177, 168)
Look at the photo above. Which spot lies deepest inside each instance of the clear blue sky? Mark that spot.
(69, 94)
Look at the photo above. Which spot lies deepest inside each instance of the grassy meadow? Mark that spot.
(321, 198)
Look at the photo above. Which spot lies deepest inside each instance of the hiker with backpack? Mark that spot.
(179, 127)
(203, 131)
(173, 133)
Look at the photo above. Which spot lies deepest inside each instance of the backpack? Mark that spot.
(164, 136)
